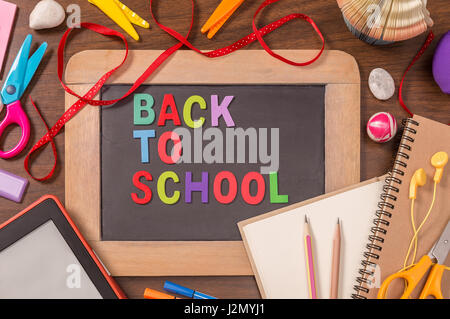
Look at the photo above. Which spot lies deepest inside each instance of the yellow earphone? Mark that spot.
(419, 179)
(439, 160)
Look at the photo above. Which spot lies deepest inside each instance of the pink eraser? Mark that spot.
(7, 16)
(11, 186)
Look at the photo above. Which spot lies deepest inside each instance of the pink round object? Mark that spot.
(382, 127)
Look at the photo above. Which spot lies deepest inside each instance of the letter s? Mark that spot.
(147, 191)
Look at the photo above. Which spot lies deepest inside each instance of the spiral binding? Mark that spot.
(385, 208)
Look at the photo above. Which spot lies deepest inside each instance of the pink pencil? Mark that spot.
(309, 260)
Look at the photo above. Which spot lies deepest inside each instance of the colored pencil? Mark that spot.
(336, 258)
(309, 260)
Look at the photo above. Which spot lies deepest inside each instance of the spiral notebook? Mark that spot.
(389, 239)
(274, 241)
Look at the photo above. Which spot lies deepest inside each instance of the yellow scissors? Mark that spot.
(413, 275)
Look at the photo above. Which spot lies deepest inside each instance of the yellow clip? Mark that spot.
(222, 13)
(122, 15)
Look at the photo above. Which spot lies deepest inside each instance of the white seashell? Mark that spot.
(381, 84)
(47, 14)
(385, 21)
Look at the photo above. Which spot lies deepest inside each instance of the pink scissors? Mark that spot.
(20, 75)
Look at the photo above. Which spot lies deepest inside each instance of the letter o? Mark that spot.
(232, 188)
(162, 147)
(245, 188)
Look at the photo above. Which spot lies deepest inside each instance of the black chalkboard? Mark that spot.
(298, 112)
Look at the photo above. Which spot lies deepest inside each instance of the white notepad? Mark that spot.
(274, 241)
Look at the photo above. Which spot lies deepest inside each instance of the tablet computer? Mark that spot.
(43, 255)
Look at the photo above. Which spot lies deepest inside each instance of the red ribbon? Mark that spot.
(88, 97)
(427, 43)
(52, 142)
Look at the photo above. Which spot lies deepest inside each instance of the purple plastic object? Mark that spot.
(11, 186)
(441, 63)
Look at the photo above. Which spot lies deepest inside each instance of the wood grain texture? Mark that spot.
(83, 171)
(165, 258)
(342, 114)
(252, 66)
(420, 91)
(83, 175)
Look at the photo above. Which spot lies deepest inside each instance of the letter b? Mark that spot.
(143, 103)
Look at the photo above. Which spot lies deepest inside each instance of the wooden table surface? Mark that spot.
(421, 93)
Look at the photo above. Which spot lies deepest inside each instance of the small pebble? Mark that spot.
(381, 84)
(47, 14)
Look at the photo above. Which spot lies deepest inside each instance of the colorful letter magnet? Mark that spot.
(11, 186)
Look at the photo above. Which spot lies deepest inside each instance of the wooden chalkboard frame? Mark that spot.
(337, 70)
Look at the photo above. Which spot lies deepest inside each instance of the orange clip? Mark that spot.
(222, 13)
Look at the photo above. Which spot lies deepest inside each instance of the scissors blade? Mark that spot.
(12, 88)
(441, 249)
(33, 64)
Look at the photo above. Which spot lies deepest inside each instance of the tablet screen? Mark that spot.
(42, 265)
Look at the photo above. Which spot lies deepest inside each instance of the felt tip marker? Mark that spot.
(180, 290)
(154, 294)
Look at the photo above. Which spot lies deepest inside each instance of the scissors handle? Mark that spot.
(15, 115)
(411, 276)
(433, 285)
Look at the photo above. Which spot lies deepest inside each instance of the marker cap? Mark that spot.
(177, 289)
